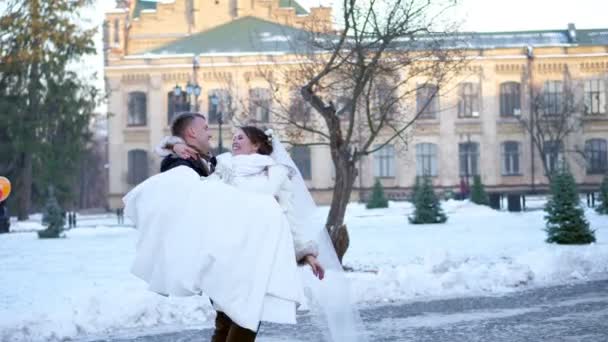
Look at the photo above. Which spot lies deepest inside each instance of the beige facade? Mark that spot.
(132, 69)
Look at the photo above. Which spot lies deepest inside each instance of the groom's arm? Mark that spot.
(165, 147)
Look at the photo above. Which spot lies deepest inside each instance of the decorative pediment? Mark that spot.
(177, 77)
(426, 128)
(510, 68)
(216, 76)
(258, 74)
(468, 127)
(594, 66)
(135, 78)
(548, 68)
(510, 128)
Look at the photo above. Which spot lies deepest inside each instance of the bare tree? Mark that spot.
(359, 89)
(555, 117)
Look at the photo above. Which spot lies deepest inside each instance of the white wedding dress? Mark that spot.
(228, 236)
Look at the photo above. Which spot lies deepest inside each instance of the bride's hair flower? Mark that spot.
(269, 133)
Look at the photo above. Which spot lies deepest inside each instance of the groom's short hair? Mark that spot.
(183, 121)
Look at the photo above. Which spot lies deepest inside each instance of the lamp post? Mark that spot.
(215, 101)
(192, 88)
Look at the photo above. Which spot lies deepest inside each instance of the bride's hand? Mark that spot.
(184, 151)
(317, 268)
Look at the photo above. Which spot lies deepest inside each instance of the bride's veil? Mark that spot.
(331, 301)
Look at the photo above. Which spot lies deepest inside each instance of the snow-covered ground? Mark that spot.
(81, 285)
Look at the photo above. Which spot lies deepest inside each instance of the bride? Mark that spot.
(238, 236)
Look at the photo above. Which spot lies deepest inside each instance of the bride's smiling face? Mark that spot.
(241, 144)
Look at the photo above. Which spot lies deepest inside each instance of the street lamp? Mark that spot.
(191, 89)
(215, 101)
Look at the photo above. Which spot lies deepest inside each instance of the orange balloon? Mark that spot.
(5, 188)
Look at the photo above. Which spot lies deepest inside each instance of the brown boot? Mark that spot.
(222, 327)
(240, 334)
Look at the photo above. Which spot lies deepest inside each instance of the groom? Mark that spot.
(193, 129)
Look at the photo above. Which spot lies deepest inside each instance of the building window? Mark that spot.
(595, 97)
(596, 152)
(384, 161)
(553, 97)
(116, 31)
(106, 34)
(137, 110)
(427, 101)
(510, 158)
(553, 155)
(260, 102)
(222, 108)
(138, 166)
(469, 158)
(387, 102)
(176, 105)
(301, 157)
(468, 102)
(299, 109)
(510, 99)
(426, 159)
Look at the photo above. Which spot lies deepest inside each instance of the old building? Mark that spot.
(471, 128)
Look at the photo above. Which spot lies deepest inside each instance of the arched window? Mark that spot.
(469, 158)
(301, 157)
(426, 159)
(138, 109)
(510, 99)
(510, 158)
(596, 152)
(468, 102)
(176, 105)
(137, 166)
(260, 102)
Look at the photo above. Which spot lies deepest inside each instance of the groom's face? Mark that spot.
(201, 134)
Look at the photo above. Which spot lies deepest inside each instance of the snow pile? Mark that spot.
(81, 285)
(479, 251)
(54, 289)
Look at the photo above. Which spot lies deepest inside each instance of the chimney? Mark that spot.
(571, 33)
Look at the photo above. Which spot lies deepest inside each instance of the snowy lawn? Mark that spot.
(81, 285)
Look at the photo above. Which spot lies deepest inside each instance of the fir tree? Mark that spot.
(428, 209)
(478, 192)
(378, 200)
(566, 222)
(602, 208)
(53, 218)
(46, 104)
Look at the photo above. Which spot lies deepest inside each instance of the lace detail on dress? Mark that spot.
(225, 173)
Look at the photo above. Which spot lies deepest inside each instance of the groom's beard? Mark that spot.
(196, 146)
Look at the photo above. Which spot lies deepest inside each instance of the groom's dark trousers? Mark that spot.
(228, 331)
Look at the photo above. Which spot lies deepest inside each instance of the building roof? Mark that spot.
(251, 35)
(244, 35)
(151, 5)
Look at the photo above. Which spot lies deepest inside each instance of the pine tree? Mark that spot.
(378, 200)
(602, 208)
(478, 192)
(428, 209)
(46, 104)
(566, 222)
(53, 218)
